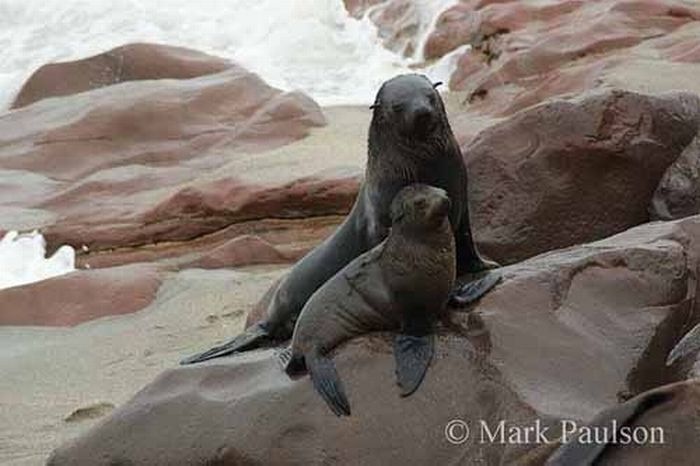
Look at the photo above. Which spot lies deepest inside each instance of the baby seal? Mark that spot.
(402, 284)
(410, 141)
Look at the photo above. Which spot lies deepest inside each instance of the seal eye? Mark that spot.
(397, 108)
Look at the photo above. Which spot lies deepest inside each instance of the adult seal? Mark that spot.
(401, 284)
(410, 141)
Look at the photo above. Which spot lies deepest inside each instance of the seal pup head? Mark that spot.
(410, 105)
(420, 206)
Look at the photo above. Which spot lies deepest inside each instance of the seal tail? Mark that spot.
(327, 383)
(688, 344)
(474, 290)
(251, 338)
(413, 355)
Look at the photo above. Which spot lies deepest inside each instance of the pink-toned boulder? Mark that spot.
(526, 51)
(81, 296)
(400, 23)
(130, 62)
(240, 251)
(139, 162)
(567, 172)
(565, 336)
(358, 8)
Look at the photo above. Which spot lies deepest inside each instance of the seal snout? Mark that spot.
(421, 119)
(440, 207)
(421, 204)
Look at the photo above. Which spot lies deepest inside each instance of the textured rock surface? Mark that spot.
(240, 251)
(146, 162)
(525, 51)
(401, 24)
(566, 335)
(131, 62)
(568, 172)
(81, 296)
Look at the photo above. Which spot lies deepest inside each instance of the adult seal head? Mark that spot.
(410, 141)
(402, 284)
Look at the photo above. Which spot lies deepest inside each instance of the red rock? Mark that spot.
(96, 167)
(603, 315)
(291, 238)
(525, 52)
(400, 23)
(241, 251)
(567, 172)
(188, 212)
(130, 62)
(81, 296)
(358, 8)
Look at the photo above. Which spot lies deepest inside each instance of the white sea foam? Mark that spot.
(22, 260)
(312, 45)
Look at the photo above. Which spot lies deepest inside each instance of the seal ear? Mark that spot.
(437, 84)
(373, 106)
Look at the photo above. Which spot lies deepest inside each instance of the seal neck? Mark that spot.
(397, 157)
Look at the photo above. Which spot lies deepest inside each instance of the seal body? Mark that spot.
(401, 284)
(410, 141)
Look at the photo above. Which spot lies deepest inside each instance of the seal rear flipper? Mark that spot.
(575, 452)
(413, 355)
(688, 344)
(327, 383)
(474, 290)
(249, 339)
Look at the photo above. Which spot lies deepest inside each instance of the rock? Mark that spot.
(110, 168)
(678, 193)
(241, 251)
(602, 315)
(567, 172)
(525, 51)
(130, 62)
(401, 24)
(398, 22)
(81, 296)
(358, 8)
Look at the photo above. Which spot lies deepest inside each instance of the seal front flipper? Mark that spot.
(327, 383)
(251, 338)
(688, 344)
(413, 354)
(474, 290)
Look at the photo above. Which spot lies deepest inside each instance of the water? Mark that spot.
(311, 45)
(22, 260)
